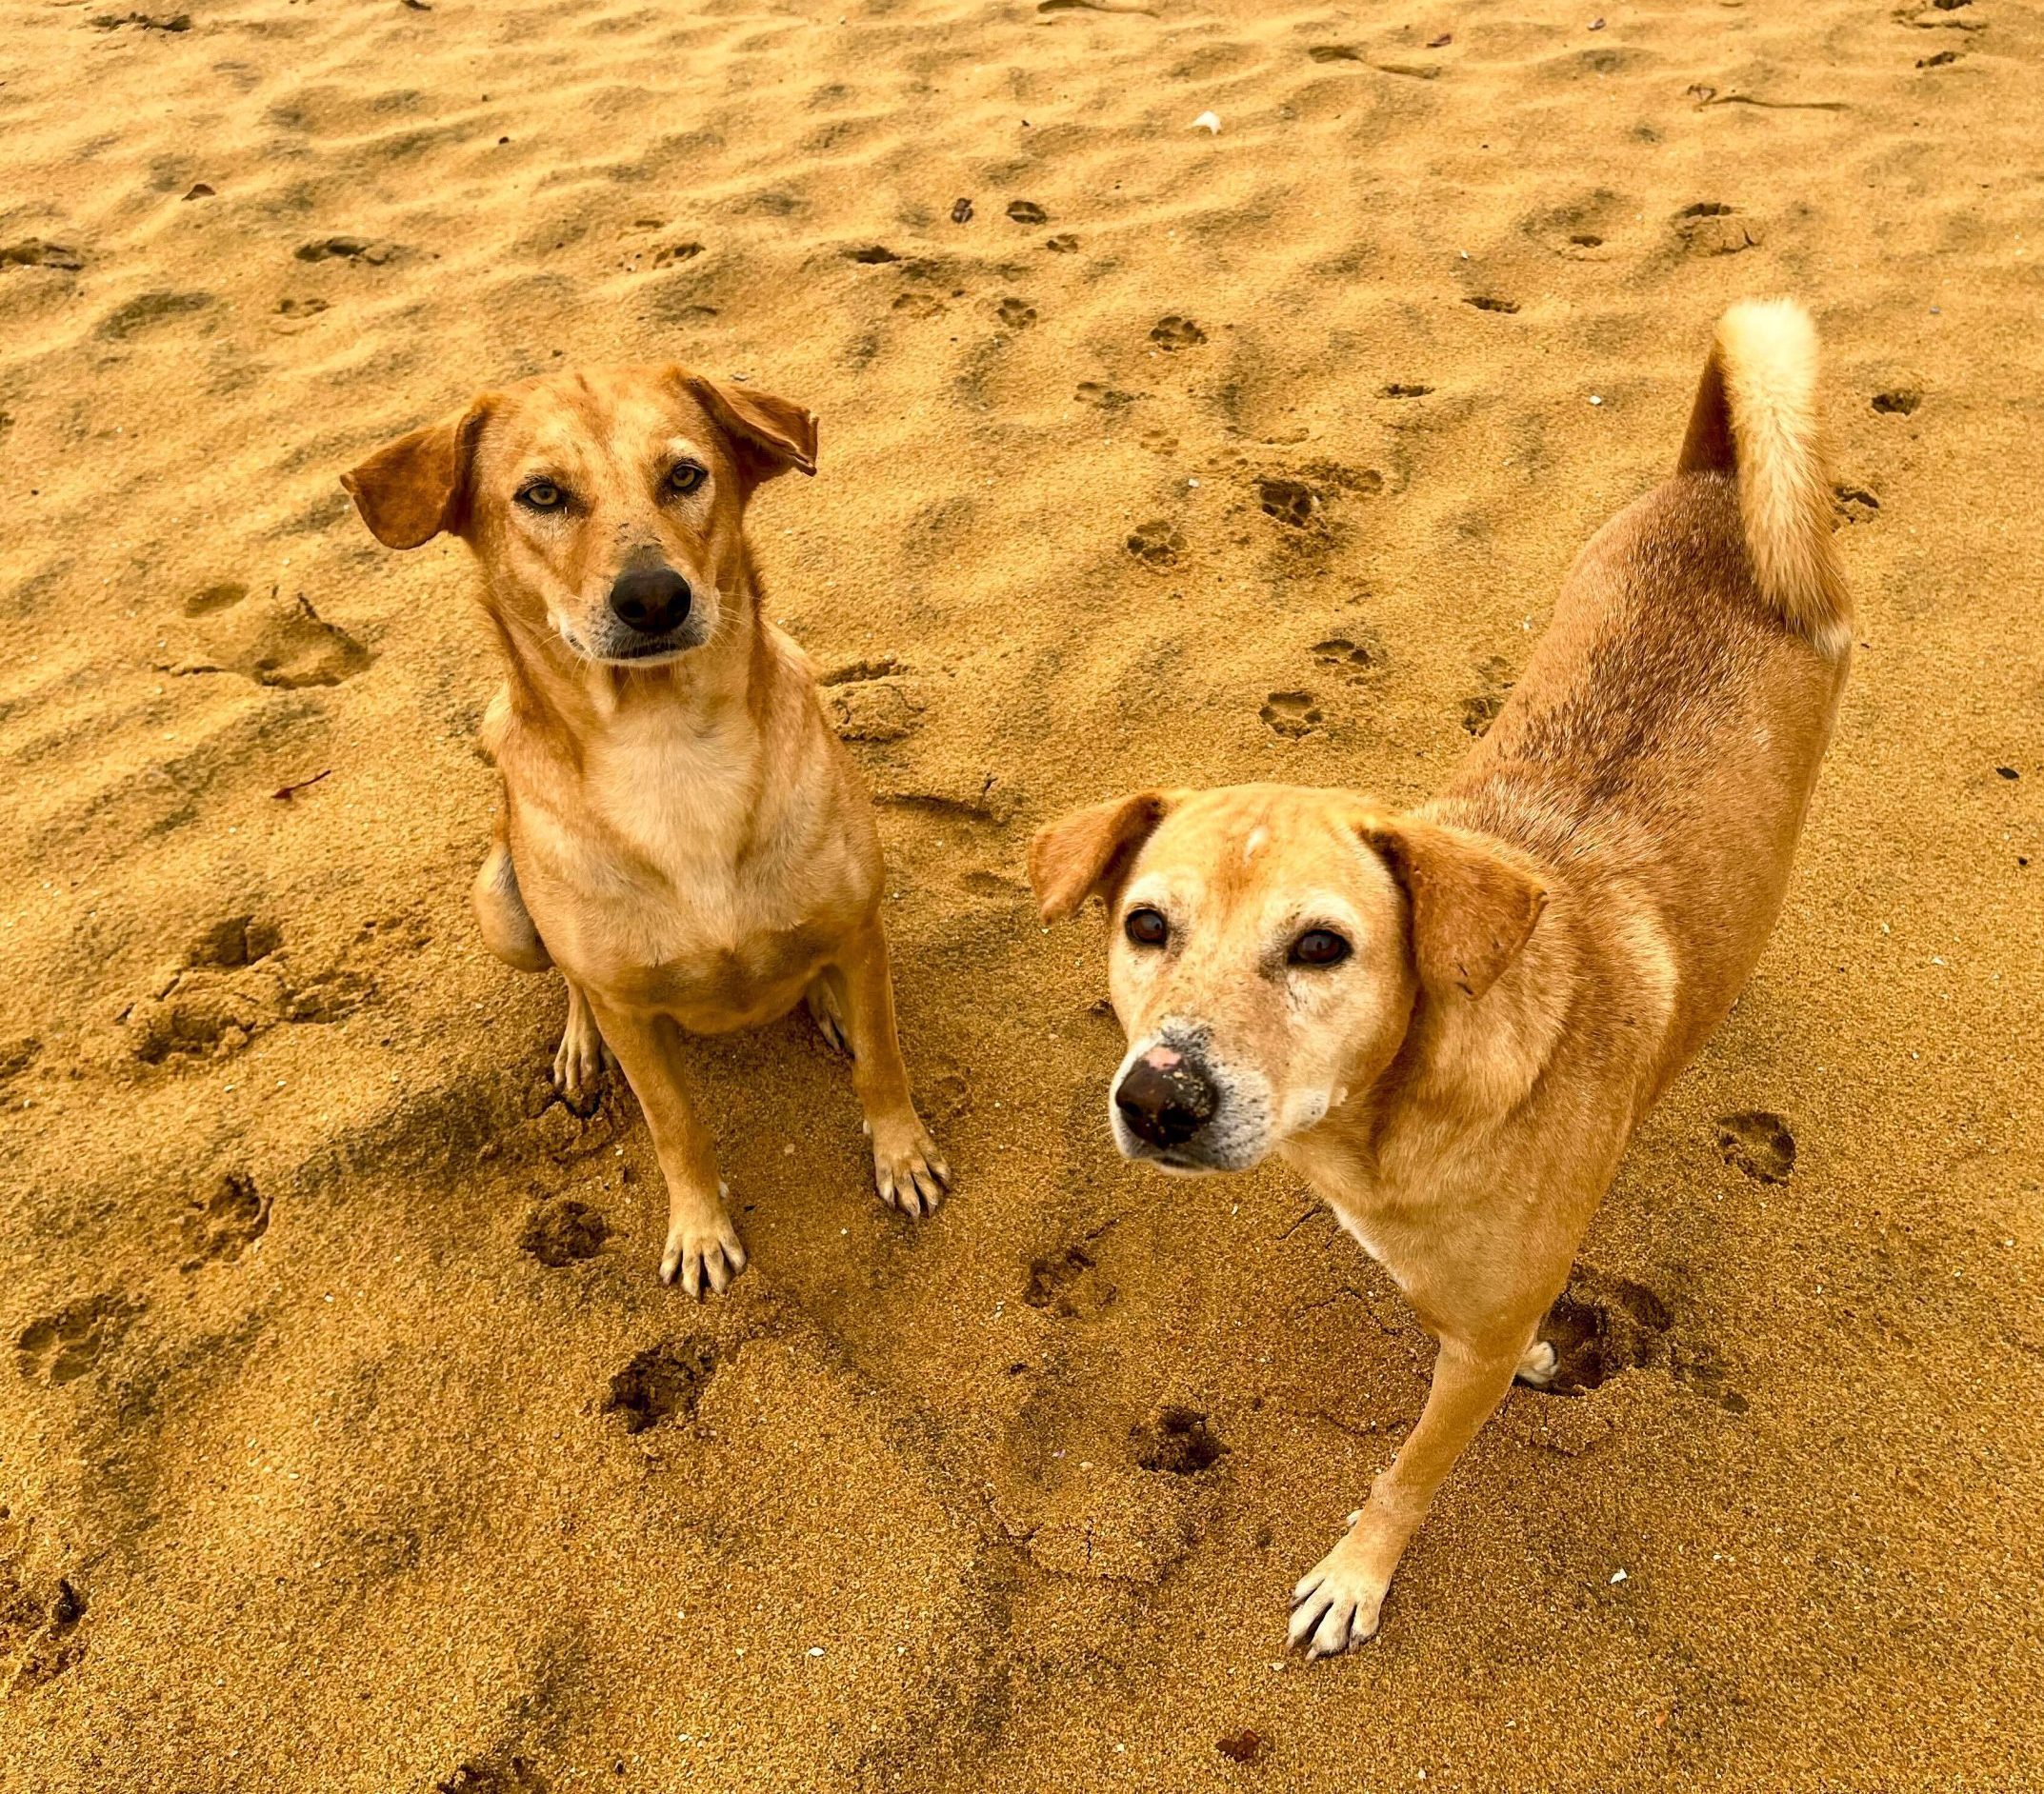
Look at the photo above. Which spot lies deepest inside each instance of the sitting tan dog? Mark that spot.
(1451, 1020)
(683, 835)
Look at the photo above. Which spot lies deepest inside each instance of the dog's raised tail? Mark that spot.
(1755, 417)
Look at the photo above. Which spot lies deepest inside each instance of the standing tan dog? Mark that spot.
(683, 835)
(1451, 1020)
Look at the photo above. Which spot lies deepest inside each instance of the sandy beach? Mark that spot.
(347, 1439)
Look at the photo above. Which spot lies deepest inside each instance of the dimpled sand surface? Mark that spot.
(1186, 456)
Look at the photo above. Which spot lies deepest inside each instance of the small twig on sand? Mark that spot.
(1710, 96)
(284, 793)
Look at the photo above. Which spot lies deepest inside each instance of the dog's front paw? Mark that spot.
(908, 1171)
(703, 1249)
(1335, 1606)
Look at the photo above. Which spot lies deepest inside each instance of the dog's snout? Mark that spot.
(652, 600)
(1166, 1098)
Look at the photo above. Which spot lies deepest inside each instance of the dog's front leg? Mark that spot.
(702, 1244)
(1336, 1604)
(908, 1171)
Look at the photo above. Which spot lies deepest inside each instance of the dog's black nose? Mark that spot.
(652, 600)
(1166, 1098)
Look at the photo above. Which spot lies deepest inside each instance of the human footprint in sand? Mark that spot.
(683, 835)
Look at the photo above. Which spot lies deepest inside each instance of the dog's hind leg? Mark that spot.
(1540, 1363)
(582, 1057)
(508, 932)
(825, 997)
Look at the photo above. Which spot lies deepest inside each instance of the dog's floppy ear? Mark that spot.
(410, 490)
(1473, 910)
(768, 435)
(1089, 851)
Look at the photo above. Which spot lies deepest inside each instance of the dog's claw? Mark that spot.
(830, 1023)
(583, 1057)
(1335, 1606)
(911, 1177)
(703, 1253)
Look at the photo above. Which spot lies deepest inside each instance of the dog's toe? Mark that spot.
(1320, 1626)
(1539, 1365)
(913, 1175)
(577, 1076)
(581, 1060)
(1334, 1607)
(823, 1010)
(702, 1255)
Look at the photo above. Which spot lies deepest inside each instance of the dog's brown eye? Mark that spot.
(1319, 946)
(542, 495)
(1146, 927)
(686, 477)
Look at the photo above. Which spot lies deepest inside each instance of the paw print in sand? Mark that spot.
(1174, 333)
(1292, 713)
(40, 1623)
(1759, 1142)
(1176, 1441)
(229, 987)
(1067, 1281)
(1288, 501)
(226, 1222)
(1156, 544)
(1600, 1325)
(1710, 228)
(232, 986)
(1102, 398)
(661, 1381)
(281, 643)
(61, 1347)
(1480, 710)
(563, 1233)
(1353, 658)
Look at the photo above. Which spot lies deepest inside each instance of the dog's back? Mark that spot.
(1664, 739)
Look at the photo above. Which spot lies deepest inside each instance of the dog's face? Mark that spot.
(604, 506)
(1267, 945)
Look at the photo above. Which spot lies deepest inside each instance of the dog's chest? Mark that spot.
(689, 878)
(1417, 1209)
(679, 803)
(1384, 1228)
